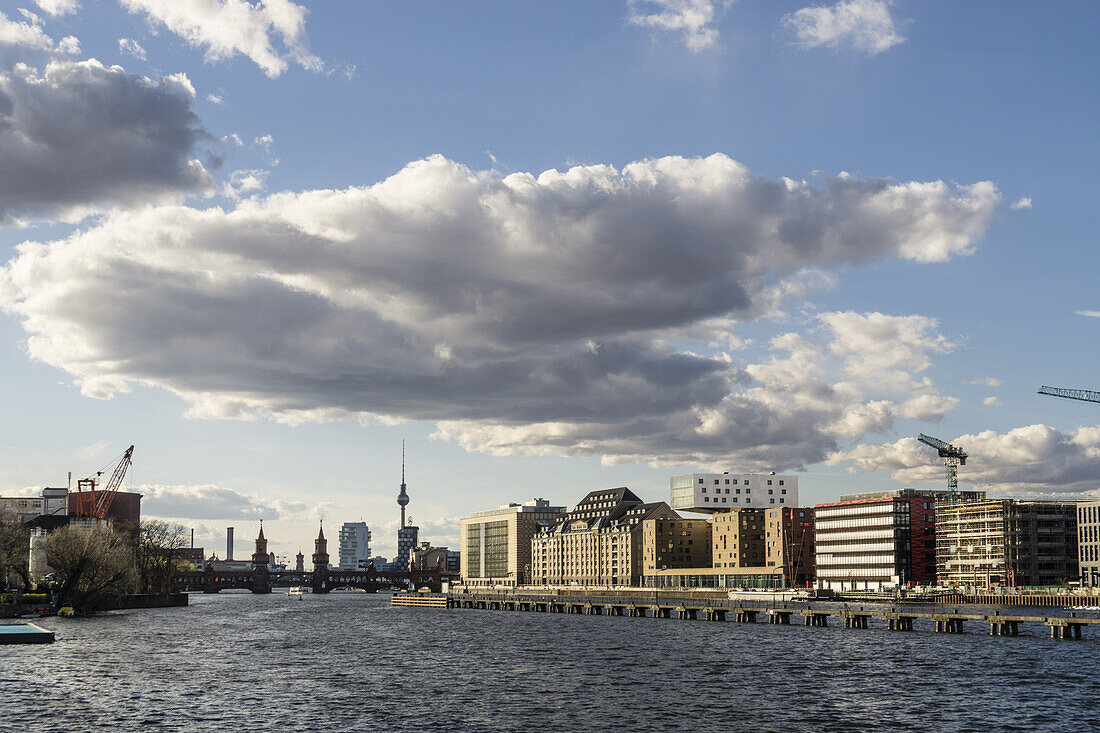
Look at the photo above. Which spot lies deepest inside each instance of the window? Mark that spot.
(746, 482)
(780, 501)
(739, 491)
(704, 490)
(723, 500)
(773, 501)
(769, 482)
(780, 482)
(706, 498)
(782, 491)
(770, 491)
(715, 482)
(727, 482)
(700, 480)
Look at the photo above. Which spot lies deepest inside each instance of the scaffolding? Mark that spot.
(1005, 543)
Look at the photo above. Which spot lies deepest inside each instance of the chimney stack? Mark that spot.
(229, 543)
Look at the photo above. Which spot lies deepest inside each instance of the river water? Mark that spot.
(348, 661)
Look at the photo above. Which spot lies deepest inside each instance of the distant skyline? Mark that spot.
(556, 247)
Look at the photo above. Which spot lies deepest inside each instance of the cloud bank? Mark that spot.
(1033, 459)
(82, 136)
(569, 312)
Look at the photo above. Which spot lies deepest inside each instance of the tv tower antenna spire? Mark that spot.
(402, 498)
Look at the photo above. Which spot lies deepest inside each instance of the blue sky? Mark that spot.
(265, 243)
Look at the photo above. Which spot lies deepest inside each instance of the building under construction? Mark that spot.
(1006, 542)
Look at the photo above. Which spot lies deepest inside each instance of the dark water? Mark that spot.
(351, 662)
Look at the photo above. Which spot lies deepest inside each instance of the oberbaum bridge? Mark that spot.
(322, 579)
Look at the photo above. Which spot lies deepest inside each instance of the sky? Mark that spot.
(553, 247)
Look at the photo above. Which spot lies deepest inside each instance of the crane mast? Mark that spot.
(96, 503)
(953, 457)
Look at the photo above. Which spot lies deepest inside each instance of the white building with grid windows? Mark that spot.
(720, 492)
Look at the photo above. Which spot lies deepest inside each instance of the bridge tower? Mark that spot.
(261, 576)
(320, 562)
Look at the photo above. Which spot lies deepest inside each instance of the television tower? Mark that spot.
(402, 498)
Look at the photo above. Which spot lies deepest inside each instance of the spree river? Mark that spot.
(348, 661)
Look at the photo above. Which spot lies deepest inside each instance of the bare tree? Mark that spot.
(15, 541)
(93, 567)
(157, 554)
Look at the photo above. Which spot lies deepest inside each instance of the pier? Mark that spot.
(673, 606)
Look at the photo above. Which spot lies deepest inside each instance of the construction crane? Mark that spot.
(96, 503)
(952, 458)
(1085, 395)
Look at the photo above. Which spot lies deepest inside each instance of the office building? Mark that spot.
(495, 545)
(1006, 542)
(1088, 543)
(876, 541)
(407, 538)
(354, 545)
(719, 492)
(598, 543)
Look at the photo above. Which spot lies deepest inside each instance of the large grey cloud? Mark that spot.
(569, 309)
(83, 135)
(212, 502)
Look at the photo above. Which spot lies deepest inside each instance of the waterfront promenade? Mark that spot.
(1061, 623)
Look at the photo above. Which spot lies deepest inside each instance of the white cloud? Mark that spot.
(271, 32)
(1025, 460)
(69, 45)
(1088, 314)
(863, 25)
(244, 181)
(214, 99)
(991, 402)
(692, 19)
(27, 34)
(1024, 203)
(987, 381)
(131, 47)
(57, 7)
(83, 136)
(558, 312)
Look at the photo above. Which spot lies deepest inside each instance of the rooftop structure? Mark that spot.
(718, 492)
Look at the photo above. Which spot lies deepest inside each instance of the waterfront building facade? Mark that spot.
(599, 543)
(50, 502)
(1088, 543)
(1006, 542)
(876, 541)
(354, 545)
(675, 543)
(751, 578)
(738, 539)
(719, 492)
(789, 543)
(495, 545)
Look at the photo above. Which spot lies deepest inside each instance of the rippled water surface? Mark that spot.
(348, 661)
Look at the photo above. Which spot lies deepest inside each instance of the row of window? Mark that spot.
(746, 482)
(879, 521)
(878, 507)
(733, 500)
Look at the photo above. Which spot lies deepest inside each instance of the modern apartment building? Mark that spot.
(675, 543)
(1088, 543)
(875, 541)
(1006, 542)
(495, 545)
(789, 543)
(737, 540)
(600, 542)
(407, 537)
(719, 492)
(354, 545)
